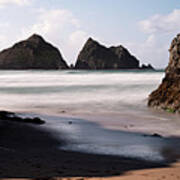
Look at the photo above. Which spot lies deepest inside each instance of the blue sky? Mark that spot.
(146, 28)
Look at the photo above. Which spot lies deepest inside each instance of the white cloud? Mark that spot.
(76, 41)
(60, 27)
(3, 39)
(52, 21)
(4, 3)
(160, 30)
(162, 23)
(152, 50)
(5, 24)
(77, 38)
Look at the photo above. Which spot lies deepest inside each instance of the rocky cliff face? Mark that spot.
(96, 56)
(167, 96)
(33, 53)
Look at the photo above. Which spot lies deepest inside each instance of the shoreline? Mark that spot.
(122, 121)
(129, 141)
(171, 173)
(29, 152)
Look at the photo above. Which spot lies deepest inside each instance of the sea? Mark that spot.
(77, 91)
(102, 112)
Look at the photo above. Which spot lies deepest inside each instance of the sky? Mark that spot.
(145, 28)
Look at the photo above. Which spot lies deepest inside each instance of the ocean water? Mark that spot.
(77, 91)
(107, 110)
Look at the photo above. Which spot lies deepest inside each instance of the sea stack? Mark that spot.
(95, 56)
(33, 53)
(167, 96)
(147, 67)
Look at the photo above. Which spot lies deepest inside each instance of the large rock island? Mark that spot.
(167, 96)
(95, 56)
(33, 53)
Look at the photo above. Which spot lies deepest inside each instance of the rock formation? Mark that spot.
(10, 116)
(147, 67)
(167, 96)
(96, 56)
(33, 53)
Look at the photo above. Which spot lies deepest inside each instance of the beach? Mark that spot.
(29, 152)
(93, 129)
(170, 173)
(89, 90)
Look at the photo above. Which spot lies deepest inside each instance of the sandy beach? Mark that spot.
(169, 173)
(89, 90)
(29, 152)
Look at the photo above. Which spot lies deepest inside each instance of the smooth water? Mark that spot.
(77, 91)
(111, 107)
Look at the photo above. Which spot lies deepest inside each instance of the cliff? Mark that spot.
(167, 96)
(96, 56)
(33, 53)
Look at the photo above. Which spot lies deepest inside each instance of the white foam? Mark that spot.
(75, 91)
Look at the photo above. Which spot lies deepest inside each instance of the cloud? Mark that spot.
(60, 27)
(160, 30)
(52, 21)
(162, 23)
(77, 38)
(153, 50)
(4, 3)
(3, 39)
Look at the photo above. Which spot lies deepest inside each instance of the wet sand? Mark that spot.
(169, 173)
(29, 152)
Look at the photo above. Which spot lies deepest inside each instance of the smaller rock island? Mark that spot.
(95, 56)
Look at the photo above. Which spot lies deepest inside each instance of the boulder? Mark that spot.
(147, 67)
(33, 53)
(167, 96)
(95, 56)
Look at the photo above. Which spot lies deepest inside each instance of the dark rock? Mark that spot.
(157, 135)
(167, 96)
(125, 59)
(96, 56)
(10, 116)
(71, 66)
(6, 114)
(33, 53)
(147, 67)
(153, 135)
